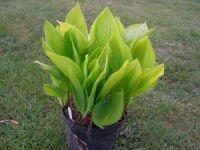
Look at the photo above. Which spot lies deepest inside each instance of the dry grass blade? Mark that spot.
(9, 121)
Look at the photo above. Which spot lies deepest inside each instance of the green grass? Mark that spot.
(167, 117)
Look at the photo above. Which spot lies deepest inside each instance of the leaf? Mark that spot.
(144, 52)
(108, 112)
(64, 64)
(112, 82)
(132, 34)
(103, 28)
(131, 78)
(76, 44)
(52, 90)
(51, 70)
(76, 18)
(63, 83)
(104, 57)
(85, 67)
(149, 31)
(90, 80)
(46, 47)
(95, 54)
(92, 45)
(121, 29)
(78, 93)
(120, 52)
(64, 27)
(57, 77)
(94, 88)
(76, 55)
(136, 32)
(54, 40)
(149, 79)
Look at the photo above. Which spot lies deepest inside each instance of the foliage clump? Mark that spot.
(103, 69)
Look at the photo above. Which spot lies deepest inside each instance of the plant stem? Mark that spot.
(91, 123)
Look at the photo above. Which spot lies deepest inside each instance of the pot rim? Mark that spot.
(66, 118)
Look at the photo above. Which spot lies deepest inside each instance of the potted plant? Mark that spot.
(96, 74)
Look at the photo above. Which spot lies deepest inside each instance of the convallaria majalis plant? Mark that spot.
(101, 70)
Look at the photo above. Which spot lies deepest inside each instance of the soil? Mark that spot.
(77, 117)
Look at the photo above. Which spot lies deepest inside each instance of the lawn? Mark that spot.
(167, 117)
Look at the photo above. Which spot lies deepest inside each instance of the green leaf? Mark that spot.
(92, 45)
(103, 28)
(108, 112)
(52, 90)
(64, 27)
(76, 44)
(149, 79)
(131, 78)
(46, 47)
(54, 39)
(121, 29)
(78, 93)
(63, 84)
(144, 52)
(149, 31)
(112, 82)
(136, 32)
(64, 64)
(85, 67)
(94, 88)
(90, 80)
(72, 71)
(57, 77)
(120, 52)
(51, 70)
(99, 54)
(76, 18)
(76, 55)
(105, 54)
(95, 54)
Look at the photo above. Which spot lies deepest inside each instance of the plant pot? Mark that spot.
(82, 138)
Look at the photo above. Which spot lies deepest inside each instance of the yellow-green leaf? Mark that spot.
(54, 39)
(136, 32)
(78, 93)
(90, 80)
(121, 29)
(76, 44)
(149, 79)
(52, 90)
(46, 47)
(64, 64)
(131, 78)
(120, 52)
(108, 112)
(144, 52)
(94, 91)
(103, 27)
(112, 82)
(51, 70)
(76, 18)
(64, 27)
(105, 54)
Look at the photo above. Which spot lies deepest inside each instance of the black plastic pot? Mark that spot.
(81, 138)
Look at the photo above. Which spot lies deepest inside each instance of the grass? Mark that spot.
(167, 117)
